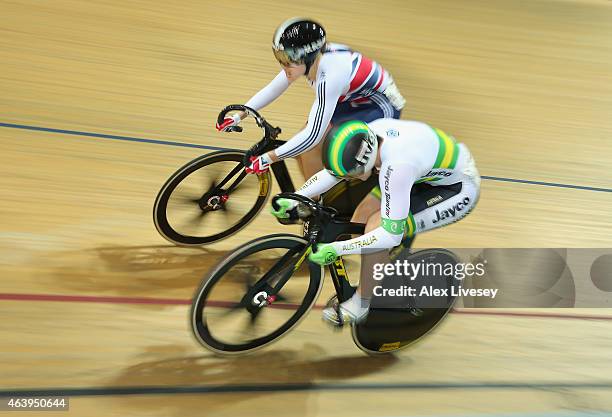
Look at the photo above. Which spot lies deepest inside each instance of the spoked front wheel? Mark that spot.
(208, 199)
(256, 295)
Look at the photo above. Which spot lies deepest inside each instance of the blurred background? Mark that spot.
(102, 101)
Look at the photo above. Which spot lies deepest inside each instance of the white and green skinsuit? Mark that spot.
(411, 152)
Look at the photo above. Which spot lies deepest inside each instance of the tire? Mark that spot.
(391, 330)
(436, 316)
(205, 234)
(204, 308)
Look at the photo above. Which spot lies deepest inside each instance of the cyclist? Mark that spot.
(347, 86)
(404, 153)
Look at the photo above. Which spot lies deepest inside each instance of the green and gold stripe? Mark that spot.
(410, 226)
(448, 151)
(339, 142)
(427, 179)
(376, 192)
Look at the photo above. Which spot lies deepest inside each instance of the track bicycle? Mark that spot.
(265, 287)
(212, 197)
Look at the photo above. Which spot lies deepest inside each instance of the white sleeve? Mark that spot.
(318, 184)
(270, 92)
(395, 181)
(328, 91)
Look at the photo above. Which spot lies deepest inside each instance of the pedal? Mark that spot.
(336, 328)
(333, 303)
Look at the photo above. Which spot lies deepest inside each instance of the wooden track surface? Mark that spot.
(527, 85)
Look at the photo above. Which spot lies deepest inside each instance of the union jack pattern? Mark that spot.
(367, 78)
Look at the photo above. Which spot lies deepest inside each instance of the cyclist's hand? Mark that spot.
(228, 122)
(326, 254)
(284, 206)
(259, 165)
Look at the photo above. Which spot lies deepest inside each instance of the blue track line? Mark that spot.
(217, 148)
(232, 388)
(104, 136)
(547, 184)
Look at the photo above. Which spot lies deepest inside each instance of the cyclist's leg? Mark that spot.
(449, 210)
(368, 206)
(431, 207)
(356, 308)
(368, 212)
(366, 110)
(443, 208)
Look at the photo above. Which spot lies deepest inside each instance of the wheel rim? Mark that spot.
(225, 331)
(195, 207)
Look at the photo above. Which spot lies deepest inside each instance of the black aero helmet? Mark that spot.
(349, 150)
(298, 41)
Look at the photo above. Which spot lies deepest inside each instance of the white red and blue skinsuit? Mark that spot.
(348, 86)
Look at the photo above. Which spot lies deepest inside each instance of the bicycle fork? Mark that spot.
(268, 294)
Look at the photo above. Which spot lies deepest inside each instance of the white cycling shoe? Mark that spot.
(345, 313)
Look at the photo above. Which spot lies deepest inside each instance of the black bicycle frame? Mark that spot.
(281, 173)
(328, 227)
(266, 144)
(335, 229)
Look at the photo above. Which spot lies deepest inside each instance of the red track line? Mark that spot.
(93, 299)
(176, 301)
(122, 300)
